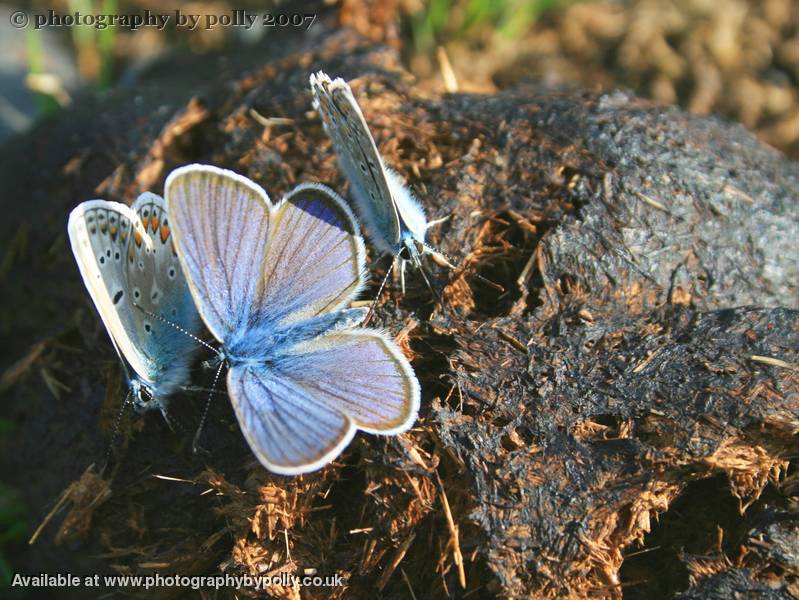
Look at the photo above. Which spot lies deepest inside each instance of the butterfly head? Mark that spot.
(143, 397)
(411, 249)
(213, 363)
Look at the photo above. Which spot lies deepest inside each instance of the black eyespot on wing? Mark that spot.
(102, 259)
(118, 296)
(116, 255)
(136, 293)
(171, 272)
(148, 328)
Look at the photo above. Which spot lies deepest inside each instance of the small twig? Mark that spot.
(392, 566)
(651, 202)
(447, 72)
(644, 551)
(62, 500)
(269, 121)
(178, 479)
(646, 361)
(454, 539)
(774, 362)
(408, 583)
(513, 342)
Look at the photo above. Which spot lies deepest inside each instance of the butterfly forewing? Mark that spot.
(100, 233)
(221, 226)
(357, 153)
(315, 256)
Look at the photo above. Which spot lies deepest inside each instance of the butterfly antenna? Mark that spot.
(417, 259)
(194, 444)
(371, 312)
(447, 261)
(199, 388)
(418, 264)
(176, 326)
(128, 402)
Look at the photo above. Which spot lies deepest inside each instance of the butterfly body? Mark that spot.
(271, 282)
(128, 264)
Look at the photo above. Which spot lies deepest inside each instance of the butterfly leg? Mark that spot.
(402, 275)
(441, 260)
(171, 423)
(435, 222)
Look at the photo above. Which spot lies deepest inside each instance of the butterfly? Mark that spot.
(395, 221)
(128, 263)
(271, 282)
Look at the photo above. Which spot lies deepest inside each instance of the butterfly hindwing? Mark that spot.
(381, 395)
(289, 430)
(162, 308)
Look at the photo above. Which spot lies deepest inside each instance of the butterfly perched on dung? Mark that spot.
(395, 221)
(128, 263)
(272, 283)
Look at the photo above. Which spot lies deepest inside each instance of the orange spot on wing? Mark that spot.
(137, 237)
(164, 234)
(154, 224)
(145, 222)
